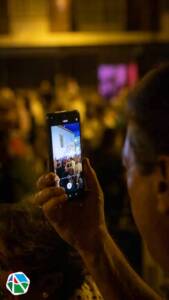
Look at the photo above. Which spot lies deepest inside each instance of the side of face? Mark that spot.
(150, 205)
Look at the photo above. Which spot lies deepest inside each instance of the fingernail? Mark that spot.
(50, 177)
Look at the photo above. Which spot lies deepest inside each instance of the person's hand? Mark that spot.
(78, 222)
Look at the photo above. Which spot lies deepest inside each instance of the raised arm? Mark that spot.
(82, 224)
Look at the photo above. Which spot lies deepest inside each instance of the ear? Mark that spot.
(163, 185)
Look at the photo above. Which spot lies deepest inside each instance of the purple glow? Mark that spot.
(112, 78)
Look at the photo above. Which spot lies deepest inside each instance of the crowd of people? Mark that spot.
(68, 166)
(33, 232)
(24, 135)
(24, 157)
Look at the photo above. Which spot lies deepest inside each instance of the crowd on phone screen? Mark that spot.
(69, 170)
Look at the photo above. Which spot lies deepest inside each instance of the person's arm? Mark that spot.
(82, 224)
(113, 275)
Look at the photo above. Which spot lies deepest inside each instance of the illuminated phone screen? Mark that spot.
(67, 156)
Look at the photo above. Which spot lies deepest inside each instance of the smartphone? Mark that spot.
(65, 151)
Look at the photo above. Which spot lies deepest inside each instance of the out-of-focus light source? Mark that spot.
(61, 5)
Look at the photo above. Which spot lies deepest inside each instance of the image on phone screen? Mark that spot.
(66, 155)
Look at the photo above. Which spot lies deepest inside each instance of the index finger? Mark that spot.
(47, 180)
(48, 193)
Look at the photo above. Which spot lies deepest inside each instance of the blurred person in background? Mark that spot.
(78, 166)
(16, 169)
(93, 127)
(146, 160)
(68, 96)
(55, 270)
(40, 141)
(46, 94)
(33, 127)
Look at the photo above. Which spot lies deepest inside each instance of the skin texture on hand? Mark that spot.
(77, 222)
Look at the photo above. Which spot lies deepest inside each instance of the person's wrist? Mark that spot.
(96, 243)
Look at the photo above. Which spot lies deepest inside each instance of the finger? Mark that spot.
(49, 179)
(90, 176)
(48, 193)
(53, 206)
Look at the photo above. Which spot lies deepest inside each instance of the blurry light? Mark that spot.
(61, 5)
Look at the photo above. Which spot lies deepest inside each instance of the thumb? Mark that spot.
(90, 176)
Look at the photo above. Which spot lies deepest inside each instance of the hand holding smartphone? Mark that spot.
(65, 151)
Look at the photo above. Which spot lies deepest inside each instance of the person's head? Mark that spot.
(8, 110)
(8, 118)
(146, 158)
(29, 244)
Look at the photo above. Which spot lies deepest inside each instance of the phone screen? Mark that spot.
(65, 152)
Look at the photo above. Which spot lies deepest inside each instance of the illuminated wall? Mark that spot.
(30, 16)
